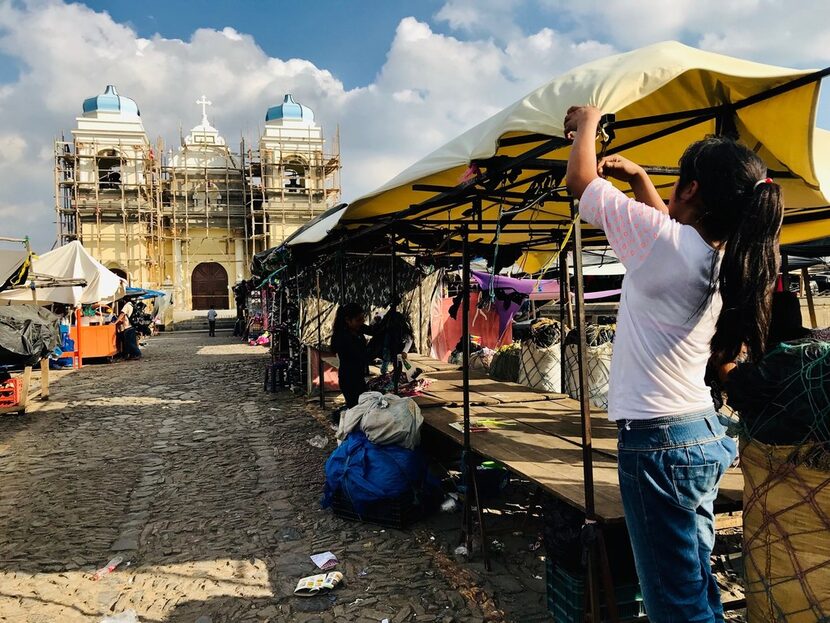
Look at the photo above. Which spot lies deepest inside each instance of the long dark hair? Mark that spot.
(745, 217)
(345, 312)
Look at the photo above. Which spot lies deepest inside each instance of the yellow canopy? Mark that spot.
(656, 80)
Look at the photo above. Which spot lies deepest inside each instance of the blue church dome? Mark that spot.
(290, 111)
(110, 101)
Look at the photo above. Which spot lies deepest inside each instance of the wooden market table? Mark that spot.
(538, 436)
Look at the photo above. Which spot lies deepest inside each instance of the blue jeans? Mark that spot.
(669, 472)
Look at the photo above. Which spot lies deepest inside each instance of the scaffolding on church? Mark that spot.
(144, 206)
(98, 185)
(289, 182)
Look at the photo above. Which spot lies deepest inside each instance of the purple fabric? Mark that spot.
(536, 289)
(524, 286)
(511, 285)
(601, 294)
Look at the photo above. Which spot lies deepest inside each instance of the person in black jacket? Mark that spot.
(392, 336)
(349, 343)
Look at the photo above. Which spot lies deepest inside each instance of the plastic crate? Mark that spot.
(390, 513)
(492, 478)
(566, 597)
(10, 393)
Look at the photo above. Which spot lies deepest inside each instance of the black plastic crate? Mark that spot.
(566, 597)
(397, 512)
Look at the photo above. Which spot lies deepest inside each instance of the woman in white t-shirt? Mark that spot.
(699, 277)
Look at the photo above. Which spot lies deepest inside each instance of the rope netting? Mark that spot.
(784, 403)
(540, 364)
(600, 341)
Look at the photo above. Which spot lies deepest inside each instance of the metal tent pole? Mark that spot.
(468, 466)
(393, 307)
(564, 291)
(785, 271)
(342, 275)
(465, 375)
(585, 412)
(320, 381)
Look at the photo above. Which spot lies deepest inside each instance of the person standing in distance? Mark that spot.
(211, 317)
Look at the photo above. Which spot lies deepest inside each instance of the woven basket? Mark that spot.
(786, 534)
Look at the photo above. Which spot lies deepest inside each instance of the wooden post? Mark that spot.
(44, 379)
(805, 279)
(320, 369)
(24, 388)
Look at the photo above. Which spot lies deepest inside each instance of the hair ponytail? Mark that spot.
(747, 275)
(743, 210)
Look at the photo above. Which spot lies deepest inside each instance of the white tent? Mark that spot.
(70, 261)
(318, 228)
(11, 261)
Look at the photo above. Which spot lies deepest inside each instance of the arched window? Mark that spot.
(109, 170)
(294, 174)
(209, 286)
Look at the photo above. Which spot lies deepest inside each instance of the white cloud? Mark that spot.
(779, 32)
(493, 18)
(431, 87)
(12, 148)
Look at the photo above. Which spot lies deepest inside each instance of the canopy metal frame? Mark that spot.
(497, 184)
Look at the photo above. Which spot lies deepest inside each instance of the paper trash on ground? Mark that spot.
(316, 583)
(325, 560)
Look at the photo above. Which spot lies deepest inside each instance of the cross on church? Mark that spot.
(204, 104)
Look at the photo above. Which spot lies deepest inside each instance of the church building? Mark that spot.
(188, 221)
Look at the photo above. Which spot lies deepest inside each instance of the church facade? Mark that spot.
(188, 221)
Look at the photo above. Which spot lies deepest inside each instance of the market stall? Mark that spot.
(497, 191)
(70, 276)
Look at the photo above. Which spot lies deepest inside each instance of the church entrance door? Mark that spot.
(209, 286)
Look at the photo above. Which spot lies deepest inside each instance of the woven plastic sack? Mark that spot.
(541, 368)
(786, 533)
(505, 365)
(480, 360)
(600, 348)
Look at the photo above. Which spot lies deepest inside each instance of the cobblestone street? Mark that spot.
(210, 490)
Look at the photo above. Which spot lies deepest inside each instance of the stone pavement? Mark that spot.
(210, 490)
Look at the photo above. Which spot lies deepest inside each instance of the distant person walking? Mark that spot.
(211, 316)
(126, 331)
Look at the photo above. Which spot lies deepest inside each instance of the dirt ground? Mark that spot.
(209, 489)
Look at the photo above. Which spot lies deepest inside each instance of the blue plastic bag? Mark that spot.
(367, 473)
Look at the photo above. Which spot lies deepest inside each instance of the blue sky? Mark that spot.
(350, 38)
(398, 77)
